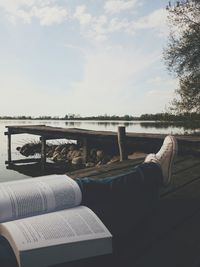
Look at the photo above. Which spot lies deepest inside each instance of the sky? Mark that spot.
(87, 57)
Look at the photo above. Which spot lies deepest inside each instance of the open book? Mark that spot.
(44, 223)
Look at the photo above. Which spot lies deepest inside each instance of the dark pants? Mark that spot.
(123, 201)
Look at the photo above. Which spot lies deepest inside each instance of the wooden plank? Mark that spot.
(185, 162)
(175, 207)
(173, 210)
(162, 239)
(135, 141)
(19, 161)
(82, 132)
(181, 164)
(180, 247)
(105, 170)
(183, 178)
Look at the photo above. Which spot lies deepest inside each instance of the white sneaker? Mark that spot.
(165, 157)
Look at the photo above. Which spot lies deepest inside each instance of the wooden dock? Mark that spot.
(170, 237)
(119, 142)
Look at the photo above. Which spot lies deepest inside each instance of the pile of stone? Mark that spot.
(69, 154)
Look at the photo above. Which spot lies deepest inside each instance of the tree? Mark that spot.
(182, 55)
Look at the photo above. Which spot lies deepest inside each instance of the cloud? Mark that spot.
(156, 100)
(159, 94)
(100, 28)
(155, 20)
(109, 76)
(49, 15)
(112, 77)
(92, 27)
(26, 97)
(117, 25)
(161, 82)
(46, 11)
(117, 6)
(81, 14)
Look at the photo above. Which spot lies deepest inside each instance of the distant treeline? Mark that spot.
(170, 117)
(144, 117)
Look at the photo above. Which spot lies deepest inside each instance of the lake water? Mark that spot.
(20, 139)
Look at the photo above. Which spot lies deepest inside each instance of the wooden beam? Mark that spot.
(43, 152)
(9, 147)
(85, 149)
(23, 161)
(122, 143)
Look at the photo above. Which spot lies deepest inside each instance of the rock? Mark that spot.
(50, 152)
(93, 155)
(99, 155)
(99, 163)
(30, 149)
(76, 153)
(70, 155)
(113, 160)
(72, 147)
(58, 148)
(90, 164)
(64, 151)
(55, 156)
(77, 161)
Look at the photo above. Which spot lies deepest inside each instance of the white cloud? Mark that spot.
(92, 27)
(117, 24)
(49, 15)
(155, 20)
(109, 76)
(158, 96)
(111, 73)
(161, 82)
(27, 98)
(99, 28)
(116, 6)
(156, 100)
(155, 80)
(46, 11)
(81, 14)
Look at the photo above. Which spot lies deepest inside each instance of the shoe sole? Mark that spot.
(173, 155)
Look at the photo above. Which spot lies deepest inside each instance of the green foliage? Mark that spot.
(182, 55)
(186, 116)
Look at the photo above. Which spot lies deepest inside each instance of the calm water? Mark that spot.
(19, 140)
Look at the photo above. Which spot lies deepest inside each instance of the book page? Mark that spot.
(61, 227)
(30, 197)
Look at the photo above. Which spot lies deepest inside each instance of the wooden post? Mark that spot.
(9, 148)
(85, 149)
(122, 143)
(43, 152)
(79, 143)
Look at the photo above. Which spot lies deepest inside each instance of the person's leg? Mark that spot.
(122, 201)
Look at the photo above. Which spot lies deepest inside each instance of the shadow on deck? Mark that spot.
(170, 237)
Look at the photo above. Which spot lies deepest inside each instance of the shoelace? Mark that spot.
(163, 153)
